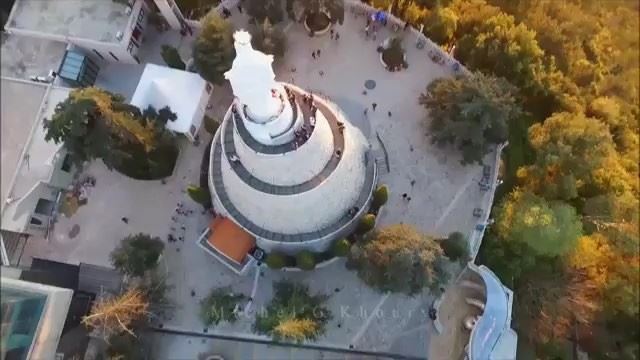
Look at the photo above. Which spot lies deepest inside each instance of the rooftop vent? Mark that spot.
(119, 35)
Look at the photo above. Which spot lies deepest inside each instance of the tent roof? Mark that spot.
(162, 86)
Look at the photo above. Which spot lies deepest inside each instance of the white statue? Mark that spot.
(252, 79)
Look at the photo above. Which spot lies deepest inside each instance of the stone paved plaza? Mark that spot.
(443, 194)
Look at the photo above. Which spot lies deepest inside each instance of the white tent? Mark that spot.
(186, 94)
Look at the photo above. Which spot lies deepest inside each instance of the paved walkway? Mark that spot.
(434, 179)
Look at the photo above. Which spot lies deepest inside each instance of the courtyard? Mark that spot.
(443, 194)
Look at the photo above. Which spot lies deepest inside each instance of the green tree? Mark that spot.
(380, 197)
(548, 228)
(398, 258)
(220, 305)
(200, 195)
(261, 10)
(213, 50)
(574, 151)
(335, 9)
(276, 260)
(125, 346)
(455, 246)
(90, 127)
(136, 254)
(293, 313)
(171, 57)
(501, 47)
(269, 39)
(441, 25)
(341, 247)
(366, 224)
(95, 124)
(471, 112)
(305, 260)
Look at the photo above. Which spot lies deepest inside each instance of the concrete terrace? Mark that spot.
(443, 194)
(98, 20)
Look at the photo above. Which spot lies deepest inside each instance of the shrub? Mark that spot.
(367, 223)
(172, 58)
(293, 313)
(219, 306)
(341, 247)
(276, 260)
(211, 124)
(455, 246)
(199, 195)
(380, 197)
(305, 260)
(136, 254)
(398, 258)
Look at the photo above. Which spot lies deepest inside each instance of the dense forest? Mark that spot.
(566, 236)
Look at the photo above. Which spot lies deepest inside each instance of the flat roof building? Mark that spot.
(107, 30)
(34, 171)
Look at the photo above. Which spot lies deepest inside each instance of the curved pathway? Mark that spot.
(342, 223)
(249, 179)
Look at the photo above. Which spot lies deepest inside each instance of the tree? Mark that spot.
(504, 49)
(574, 151)
(548, 228)
(310, 8)
(136, 254)
(90, 125)
(471, 112)
(366, 224)
(441, 25)
(96, 124)
(276, 260)
(269, 39)
(261, 10)
(305, 260)
(114, 315)
(455, 246)
(213, 50)
(171, 57)
(200, 195)
(380, 197)
(398, 258)
(124, 346)
(220, 305)
(293, 314)
(341, 247)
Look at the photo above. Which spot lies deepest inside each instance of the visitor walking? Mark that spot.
(375, 32)
(225, 12)
(366, 111)
(321, 73)
(389, 113)
(374, 105)
(337, 36)
(406, 26)
(318, 53)
(313, 55)
(366, 32)
(125, 220)
(331, 32)
(240, 8)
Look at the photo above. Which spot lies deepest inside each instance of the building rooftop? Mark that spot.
(39, 311)
(180, 90)
(24, 106)
(98, 20)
